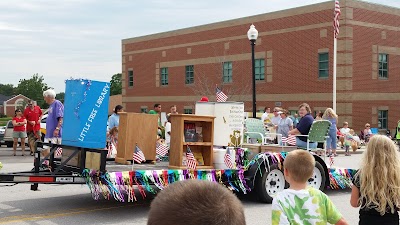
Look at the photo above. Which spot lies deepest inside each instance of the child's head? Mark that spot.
(196, 202)
(351, 132)
(329, 113)
(113, 131)
(300, 165)
(380, 173)
(367, 126)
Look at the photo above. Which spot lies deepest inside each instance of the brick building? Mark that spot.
(8, 104)
(294, 62)
(114, 101)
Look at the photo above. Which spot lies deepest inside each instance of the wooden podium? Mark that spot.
(140, 129)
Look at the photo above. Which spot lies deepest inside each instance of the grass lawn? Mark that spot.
(3, 121)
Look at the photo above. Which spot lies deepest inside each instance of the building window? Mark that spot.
(164, 76)
(130, 78)
(292, 112)
(143, 109)
(323, 65)
(227, 72)
(383, 65)
(259, 69)
(188, 111)
(189, 78)
(382, 119)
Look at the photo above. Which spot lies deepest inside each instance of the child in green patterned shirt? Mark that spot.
(301, 204)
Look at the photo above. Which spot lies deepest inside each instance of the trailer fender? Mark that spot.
(321, 165)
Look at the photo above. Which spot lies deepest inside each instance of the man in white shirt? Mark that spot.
(266, 116)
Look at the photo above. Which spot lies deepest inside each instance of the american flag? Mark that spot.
(220, 96)
(190, 160)
(336, 19)
(58, 152)
(331, 160)
(138, 155)
(290, 140)
(110, 149)
(161, 149)
(228, 159)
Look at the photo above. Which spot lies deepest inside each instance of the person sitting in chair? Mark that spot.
(367, 132)
(303, 127)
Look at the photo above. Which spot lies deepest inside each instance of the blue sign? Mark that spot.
(85, 113)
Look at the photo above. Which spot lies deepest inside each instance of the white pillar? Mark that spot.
(334, 74)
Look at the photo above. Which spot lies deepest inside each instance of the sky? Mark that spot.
(82, 38)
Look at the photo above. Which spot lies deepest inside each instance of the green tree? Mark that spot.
(60, 96)
(116, 85)
(33, 88)
(7, 89)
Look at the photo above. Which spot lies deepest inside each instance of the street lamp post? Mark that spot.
(252, 34)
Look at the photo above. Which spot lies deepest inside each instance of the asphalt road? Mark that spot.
(73, 204)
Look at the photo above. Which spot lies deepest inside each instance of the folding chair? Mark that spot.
(318, 133)
(255, 129)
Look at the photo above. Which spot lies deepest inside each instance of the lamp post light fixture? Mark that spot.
(252, 34)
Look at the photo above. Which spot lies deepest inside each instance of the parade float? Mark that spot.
(207, 146)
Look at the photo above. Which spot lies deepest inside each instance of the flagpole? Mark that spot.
(334, 73)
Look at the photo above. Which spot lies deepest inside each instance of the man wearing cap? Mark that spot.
(277, 117)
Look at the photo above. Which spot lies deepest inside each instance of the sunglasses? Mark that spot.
(368, 126)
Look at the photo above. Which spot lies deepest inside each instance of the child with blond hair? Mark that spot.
(376, 185)
(330, 115)
(112, 142)
(348, 140)
(301, 204)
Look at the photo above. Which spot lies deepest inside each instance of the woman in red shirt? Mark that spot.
(19, 131)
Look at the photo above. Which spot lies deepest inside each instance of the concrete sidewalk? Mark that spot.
(339, 150)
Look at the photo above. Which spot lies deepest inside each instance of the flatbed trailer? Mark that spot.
(262, 175)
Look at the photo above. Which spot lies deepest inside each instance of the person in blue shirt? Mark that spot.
(303, 127)
(113, 120)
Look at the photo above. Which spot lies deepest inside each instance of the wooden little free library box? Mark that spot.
(195, 132)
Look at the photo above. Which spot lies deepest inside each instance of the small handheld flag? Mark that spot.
(161, 149)
(331, 160)
(190, 160)
(290, 140)
(58, 152)
(220, 96)
(228, 159)
(138, 155)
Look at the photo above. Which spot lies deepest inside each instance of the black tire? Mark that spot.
(264, 195)
(9, 144)
(318, 180)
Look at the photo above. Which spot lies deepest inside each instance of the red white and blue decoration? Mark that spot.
(138, 155)
(191, 162)
(121, 185)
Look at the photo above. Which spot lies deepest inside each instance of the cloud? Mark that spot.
(16, 28)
